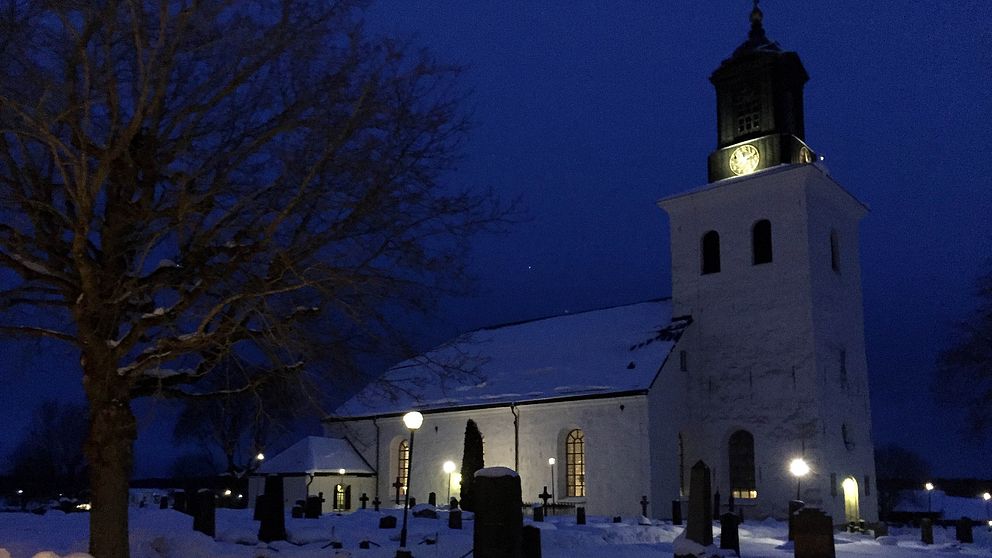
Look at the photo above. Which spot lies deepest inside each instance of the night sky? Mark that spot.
(591, 112)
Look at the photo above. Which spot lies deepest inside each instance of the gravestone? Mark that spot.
(179, 503)
(880, 529)
(700, 522)
(531, 543)
(926, 530)
(398, 485)
(729, 536)
(376, 503)
(163, 503)
(814, 534)
(364, 500)
(296, 512)
(387, 522)
(676, 512)
(425, 512)
(716, 504)
(544, 496)
(580, 515)
(204, 517)
(453, 504)
(794, 507)
(538, 512)
(273, 520)
(963, 530)
(313, 506)
(644, 506)
(413, 501)
(498, 515)
(730, 503)
(432, 499)
(455, 519)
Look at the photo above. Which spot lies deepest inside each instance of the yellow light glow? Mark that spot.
(986, 496)
(413, 420)
(227, 492)
(341, 471)
(744, 159)
(928, 486)
(798, 467)
(260, 456)
(84, 507)
(448, 467)
(848, 484)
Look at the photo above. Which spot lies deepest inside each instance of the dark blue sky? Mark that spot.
(592, 111)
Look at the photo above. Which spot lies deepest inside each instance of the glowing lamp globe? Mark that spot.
(551, 461)
(986, 496)
(413, 420)
(448, 467)
(798, 467)
(928, 486)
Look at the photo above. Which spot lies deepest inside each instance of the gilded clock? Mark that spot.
(744, 159)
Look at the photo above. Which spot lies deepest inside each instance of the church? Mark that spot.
(757, 359)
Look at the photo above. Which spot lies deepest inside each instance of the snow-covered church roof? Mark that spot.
(316, 454)
(586, 354)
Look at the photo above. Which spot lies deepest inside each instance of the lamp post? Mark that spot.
(799, 469)
(413, 420)
(986, 496)
(551, 464)
(929, 488)
(449, 467)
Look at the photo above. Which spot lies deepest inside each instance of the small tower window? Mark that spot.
(761, 242)
(834, 251)
(711, 252)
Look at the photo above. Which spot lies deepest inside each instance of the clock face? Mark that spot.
(744, 159)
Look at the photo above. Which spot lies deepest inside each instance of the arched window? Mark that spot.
(575, 464)
(711, 252)
(404, 467)
(834, 251)
(342, 497)
(761, 242)
(742, 484)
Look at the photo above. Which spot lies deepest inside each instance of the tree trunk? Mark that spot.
(110, 448)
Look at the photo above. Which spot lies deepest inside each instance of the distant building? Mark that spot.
(758, 358)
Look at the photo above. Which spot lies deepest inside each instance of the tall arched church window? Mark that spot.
(834, 251)
(742, 483)
(761, 242)
(404, 466)
(575, 464)
(711, 252)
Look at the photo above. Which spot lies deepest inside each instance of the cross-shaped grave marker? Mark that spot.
(644, 506)
(398, 485)
(364, 500)
(544, 496)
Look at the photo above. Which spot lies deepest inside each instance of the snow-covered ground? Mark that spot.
(167, 533)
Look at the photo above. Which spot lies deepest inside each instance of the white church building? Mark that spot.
(757, 358)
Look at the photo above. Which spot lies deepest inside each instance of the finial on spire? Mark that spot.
(757, 30)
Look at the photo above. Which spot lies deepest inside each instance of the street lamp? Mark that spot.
(260, 456)
(413, 420)
(551, 464)
(929, 488)
(986, 496)
(799, 469)
(449, 467)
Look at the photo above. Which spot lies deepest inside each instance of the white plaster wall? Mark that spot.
(616, 442)
(755, 348)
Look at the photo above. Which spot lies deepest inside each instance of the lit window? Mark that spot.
(404, 466)
(711, 252)
(742, 483)
(575, 464)
(342, 497)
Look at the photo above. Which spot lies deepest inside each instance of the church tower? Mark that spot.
(765, 261)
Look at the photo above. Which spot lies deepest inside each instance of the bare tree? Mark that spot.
(964, 370)
(183, 181)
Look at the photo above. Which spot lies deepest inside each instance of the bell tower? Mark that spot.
(759, 98)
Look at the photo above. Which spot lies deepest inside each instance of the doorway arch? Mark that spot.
(852, 511)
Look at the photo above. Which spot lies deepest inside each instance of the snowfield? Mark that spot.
(169, 534)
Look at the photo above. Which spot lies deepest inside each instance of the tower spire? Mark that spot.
(757, 34)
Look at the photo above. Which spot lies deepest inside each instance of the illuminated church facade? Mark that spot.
(758, 357)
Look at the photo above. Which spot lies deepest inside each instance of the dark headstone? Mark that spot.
(731, 503)
(926, 530)
(880, 529)
(700, 522)
(453, 504)
(455, 519)
(273, 521)
(313, 506)
(364, 545)
(531, 542)
(538, 513)
(617, 519)
(676, 512)
(432, 499)
(204, 519)
(580, 515)
(179, 503)
(387, 522)
(296, 512)
(364, 500)
(729, 536)
(398, 485)
(425, 513)
(963, 530)
(163, 503)
(498, 517)
(376, 503)
(794, 507)
(413, 501)
(544, 496)
(716, 504)
(814, 534)
(644, 506)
